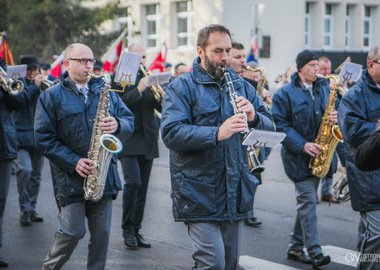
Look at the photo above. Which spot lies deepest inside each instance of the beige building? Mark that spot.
(336, 28)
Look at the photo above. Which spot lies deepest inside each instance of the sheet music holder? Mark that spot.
(263, 138)
(158, 78)
(15, 72)
(350, 71)
(126, 71)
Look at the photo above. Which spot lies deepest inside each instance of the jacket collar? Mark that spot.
(201, 75)
(94, 85)
(368, 80)
(296, 82)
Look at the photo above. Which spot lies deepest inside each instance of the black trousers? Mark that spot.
(136, 170)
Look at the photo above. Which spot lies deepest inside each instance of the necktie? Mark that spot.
(83, 90)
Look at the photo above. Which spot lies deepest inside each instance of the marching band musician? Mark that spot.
(8, 145)
(63, 131)
(358, 119)
(138, 153)
(29, 161)
(212, 189)
(297, 109)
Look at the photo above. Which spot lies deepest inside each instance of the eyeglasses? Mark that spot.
(84, 61)
(376, 62)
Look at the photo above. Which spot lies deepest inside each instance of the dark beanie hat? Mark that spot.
(305, 57)
(30, 61)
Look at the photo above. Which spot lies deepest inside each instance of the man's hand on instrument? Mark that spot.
(232, 125)
(108, 125)
(334, 117)
(142, 84)
(245, 106)
(312, 149)
(38, 79)
(84, 167)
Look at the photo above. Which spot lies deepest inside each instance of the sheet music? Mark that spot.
(15, 72)
(350, 71)
(263, 138)
(158, 78)
(127, 68)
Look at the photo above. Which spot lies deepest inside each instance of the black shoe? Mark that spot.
(320, 260)
(299, 256)
(141, 241)
(130, 239)
(34, 217)
(2, 263)
(25, 219)
(252, 222)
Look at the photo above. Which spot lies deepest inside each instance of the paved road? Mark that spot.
(262, 248)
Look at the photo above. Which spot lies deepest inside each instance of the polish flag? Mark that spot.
(252, 55)
(5, 51)
(160, 59)
(111, 58)
(57, 67)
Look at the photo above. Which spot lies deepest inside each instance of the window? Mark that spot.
(328, 25)
(152, 25)
(347, 31)
(307, 26)
(183, 23)
(367, 28)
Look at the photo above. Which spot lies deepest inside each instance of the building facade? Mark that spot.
(335, 28)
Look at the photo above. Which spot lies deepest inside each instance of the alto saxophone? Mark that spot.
(329, 134)
(102, 146)
(260, 85)
(253, 161)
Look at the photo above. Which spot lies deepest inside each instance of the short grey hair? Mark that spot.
(373, 53)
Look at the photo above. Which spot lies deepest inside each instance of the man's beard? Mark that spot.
(214, 72)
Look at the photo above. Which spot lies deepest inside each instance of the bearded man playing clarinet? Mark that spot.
(212, 189)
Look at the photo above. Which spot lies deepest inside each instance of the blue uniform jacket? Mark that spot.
(63, 128)
(357, 118)
(210, 179)
(24, 117)
(298, 115)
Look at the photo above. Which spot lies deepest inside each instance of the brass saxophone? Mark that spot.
(253, 161)
(329, 134)
(102, 146)
(260, 85)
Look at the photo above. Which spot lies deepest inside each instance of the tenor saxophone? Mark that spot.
(102, 146)
(260, 85)
(329, 134)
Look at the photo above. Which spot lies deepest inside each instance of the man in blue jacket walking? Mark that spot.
(212, 189)
(359, 116)
(297, 109)
(63, 128)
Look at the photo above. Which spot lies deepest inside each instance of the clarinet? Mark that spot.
(253, 162)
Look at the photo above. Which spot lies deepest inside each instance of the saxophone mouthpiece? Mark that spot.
(320, 76)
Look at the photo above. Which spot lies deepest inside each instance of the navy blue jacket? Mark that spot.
(24, 117)
(210, 179)
(298, 115)
(357, 118)
(63, 128)
(8, 138)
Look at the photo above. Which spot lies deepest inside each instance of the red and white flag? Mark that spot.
(5, 51)
(111, 58)
(56, 67)
(160, 59)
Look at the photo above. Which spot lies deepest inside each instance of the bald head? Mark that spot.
(75, 49)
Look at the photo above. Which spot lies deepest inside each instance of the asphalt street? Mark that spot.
(262, 248)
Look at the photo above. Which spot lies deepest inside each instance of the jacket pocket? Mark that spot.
(197, 198)
(247, 190)
(205, 113)
(71, 123)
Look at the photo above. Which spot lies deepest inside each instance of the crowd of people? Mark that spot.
(205, 111)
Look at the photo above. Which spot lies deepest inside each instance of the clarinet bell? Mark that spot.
(254, 163)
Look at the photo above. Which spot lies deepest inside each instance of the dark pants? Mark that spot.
(136, 170)
(5, 178)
